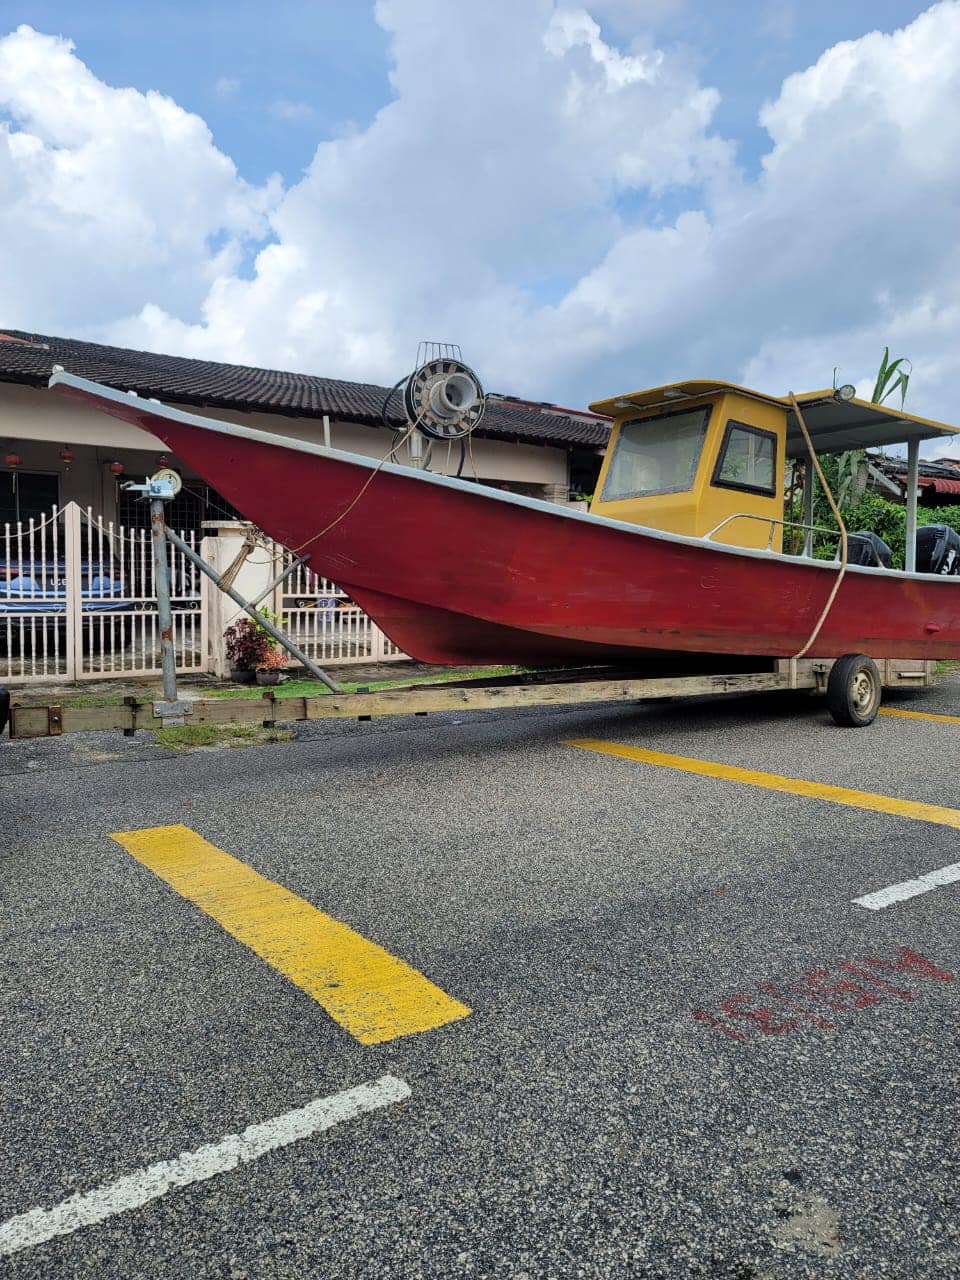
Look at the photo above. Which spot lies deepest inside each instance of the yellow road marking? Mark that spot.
(371, 993)
(918, 715)
(777, 782)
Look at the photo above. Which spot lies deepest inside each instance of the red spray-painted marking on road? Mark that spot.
(820, 987)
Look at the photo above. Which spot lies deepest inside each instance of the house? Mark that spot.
(53, 451)
(938, 481)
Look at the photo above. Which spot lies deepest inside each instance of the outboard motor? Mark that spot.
(938, 550)
(865, 547)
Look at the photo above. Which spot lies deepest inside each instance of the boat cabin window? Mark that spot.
(747, 460)
(656, 455)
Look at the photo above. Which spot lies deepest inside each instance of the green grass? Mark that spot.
(190, 736)
(88, 700)
(314, 688)
(289, 689)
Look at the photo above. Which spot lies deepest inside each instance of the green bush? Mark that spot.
(888, 520)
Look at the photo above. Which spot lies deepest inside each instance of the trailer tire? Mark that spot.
(853, 691)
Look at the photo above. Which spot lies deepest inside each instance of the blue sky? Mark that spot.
(330, 59)
(590, 196)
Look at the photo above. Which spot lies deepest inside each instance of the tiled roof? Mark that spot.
(29, 358)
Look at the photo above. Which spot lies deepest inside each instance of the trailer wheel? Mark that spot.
(853, 690)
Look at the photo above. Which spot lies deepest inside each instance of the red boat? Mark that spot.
(680, 553)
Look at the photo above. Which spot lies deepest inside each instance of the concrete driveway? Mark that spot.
(581, 993)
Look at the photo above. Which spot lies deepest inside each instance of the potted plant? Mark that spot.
(270, 667)
(247, 646)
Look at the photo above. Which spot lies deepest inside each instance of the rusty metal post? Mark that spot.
(161, 579)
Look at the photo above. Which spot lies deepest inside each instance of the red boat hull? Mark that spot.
(457, 573)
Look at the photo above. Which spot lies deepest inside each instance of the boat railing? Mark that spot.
(809, 529)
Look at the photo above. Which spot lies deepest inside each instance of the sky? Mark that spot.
(589, 198)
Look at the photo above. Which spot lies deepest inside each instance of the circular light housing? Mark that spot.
(846, 392)
(167, 476)
(117, 468)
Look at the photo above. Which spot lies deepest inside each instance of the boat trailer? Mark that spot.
(852, 683)
(557, 688)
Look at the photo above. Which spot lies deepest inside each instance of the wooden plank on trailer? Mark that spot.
(34, 722)
(407, 702)
(222, 711)
(29, 722)
(95, 719)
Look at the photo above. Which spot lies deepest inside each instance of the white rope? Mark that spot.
(843, 533)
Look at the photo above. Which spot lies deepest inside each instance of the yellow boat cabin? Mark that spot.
(709, 459)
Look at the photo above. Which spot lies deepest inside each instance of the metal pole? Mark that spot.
(161, 578)
(279, 580)
(416, 450)
(248, 608)
(913, 479)
(808, 483)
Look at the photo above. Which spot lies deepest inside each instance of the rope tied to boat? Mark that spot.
(843, 533)
(229, 575)
(451, 403)
(362, 490)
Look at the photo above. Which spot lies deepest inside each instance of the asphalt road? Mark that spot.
(626, 1097)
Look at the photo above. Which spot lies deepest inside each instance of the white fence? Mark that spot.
(78, 602)
(323, 621)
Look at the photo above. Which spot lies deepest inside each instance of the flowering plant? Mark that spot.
(273, 660)
(247, 644)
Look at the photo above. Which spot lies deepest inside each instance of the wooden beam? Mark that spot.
(34, 722)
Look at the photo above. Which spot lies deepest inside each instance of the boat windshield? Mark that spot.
(656, 455)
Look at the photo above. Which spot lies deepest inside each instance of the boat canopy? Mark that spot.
(834, 425)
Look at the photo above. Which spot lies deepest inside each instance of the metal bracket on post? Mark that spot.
(158, 489)
(172, 712)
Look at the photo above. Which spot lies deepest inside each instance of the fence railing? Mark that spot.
(325, 623)
(78, 602)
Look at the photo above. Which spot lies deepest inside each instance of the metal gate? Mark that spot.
(325, 623)
(77, 601)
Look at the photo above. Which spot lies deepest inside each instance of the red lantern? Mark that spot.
(117, 468)
(162, 460)
(12, 460)
(67, 456)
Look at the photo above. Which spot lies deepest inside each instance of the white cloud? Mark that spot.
(108, 197)
(508, 198)
(496, 169)
(226, 86)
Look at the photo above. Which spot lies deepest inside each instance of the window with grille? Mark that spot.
(195, 503)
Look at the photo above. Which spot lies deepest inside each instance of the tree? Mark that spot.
(892, 376)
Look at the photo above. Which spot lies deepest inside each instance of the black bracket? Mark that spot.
(133, 704)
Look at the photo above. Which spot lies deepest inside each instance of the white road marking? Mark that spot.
(136, 1189)
(909, 888)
